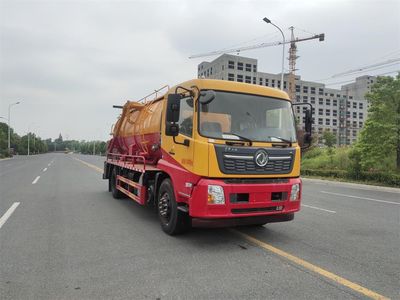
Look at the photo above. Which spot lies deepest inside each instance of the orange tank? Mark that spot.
(137, 131)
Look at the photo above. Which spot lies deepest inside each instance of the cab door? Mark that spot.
(182, 149)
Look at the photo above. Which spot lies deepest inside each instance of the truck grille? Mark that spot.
(240, 160)
(240, 165)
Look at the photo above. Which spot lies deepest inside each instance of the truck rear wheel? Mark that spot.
(117, 194)
(173, 221)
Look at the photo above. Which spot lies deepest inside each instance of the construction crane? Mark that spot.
(292, 54)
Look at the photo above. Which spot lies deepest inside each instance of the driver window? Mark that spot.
(186, 117)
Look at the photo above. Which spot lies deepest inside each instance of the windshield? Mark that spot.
(241, 116)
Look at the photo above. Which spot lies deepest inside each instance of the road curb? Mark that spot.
(351, 184)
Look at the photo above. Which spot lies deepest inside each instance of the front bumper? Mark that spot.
(261, 199)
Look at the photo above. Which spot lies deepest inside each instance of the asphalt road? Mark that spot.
(69, 239)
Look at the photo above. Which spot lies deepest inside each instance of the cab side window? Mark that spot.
(186, 117)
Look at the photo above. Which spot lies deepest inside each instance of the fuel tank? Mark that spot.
(137, 131)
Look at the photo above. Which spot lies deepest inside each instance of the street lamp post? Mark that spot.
(283, 48)
(9, 125)
(28, 141)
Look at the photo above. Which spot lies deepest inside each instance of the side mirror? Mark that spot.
(307, 139)
(173, 107)
(207, 96)
(308, 121)
(171, 129)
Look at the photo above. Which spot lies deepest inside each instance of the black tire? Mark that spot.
(173, 221)
(117, 194)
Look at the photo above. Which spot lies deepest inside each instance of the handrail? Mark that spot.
(126, 159)
(155, 92)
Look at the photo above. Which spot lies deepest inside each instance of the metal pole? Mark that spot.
(9, 125)
(28, 142)
(283, 49)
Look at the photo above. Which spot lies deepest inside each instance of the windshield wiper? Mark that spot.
(243, 138)
(282, 139)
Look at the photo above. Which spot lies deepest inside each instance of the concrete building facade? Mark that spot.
(341, 111)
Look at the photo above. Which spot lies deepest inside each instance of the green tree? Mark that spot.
(379, 141)
(329, 139)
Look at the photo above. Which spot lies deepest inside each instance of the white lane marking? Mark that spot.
(45, 169)
(363, 198)
(36, 180)
(318, 208)
(8, 213)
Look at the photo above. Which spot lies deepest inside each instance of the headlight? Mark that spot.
(295, 193)
(215, 194)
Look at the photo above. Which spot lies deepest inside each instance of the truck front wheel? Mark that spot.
(173, 221)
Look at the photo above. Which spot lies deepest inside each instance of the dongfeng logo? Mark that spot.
(261, 158)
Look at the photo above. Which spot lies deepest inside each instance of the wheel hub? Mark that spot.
(164, 207)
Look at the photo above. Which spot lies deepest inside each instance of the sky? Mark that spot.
(68, 62)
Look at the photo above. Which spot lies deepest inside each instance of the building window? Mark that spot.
(334, 113)
(248, 67)
(240, 66)
(348, 104)
(260, 81)
(231, 64)
(347, 114)
(354, 114)
(305, 98)
(361, 115)
(240, 78)
(360, 124)
(320, 121)
(312, 90)
(354, 132)
(320, 91)
(328, 101)
(320, 101)
(354, 104)
(320, 111)
(254, 80)
(273, 82)
(266, 81)
(350, 97)
(328, 112)
(254, 68)
(279, 83)
(247, 79)
(327, 122)
(284, 84)
(334, 122)
(305, 89)
(334, 102)
(354, 124)
(360, 105)
(231, 77)
(297, 88)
